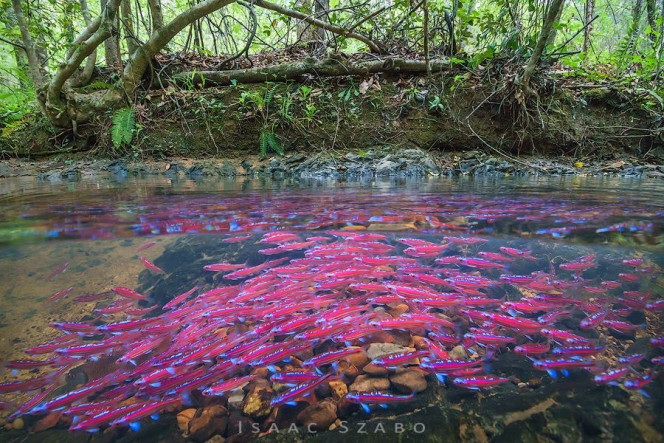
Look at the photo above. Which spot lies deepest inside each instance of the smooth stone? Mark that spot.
(372, 369)
(408, 380)
(184, 417)
(377, 350)
(211, 420)
(366, 383)
(319, 416)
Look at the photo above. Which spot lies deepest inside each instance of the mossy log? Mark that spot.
(330, 67)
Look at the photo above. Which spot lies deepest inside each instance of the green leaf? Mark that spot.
(122, 130)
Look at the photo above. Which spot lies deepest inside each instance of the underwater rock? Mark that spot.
(338, 389)
(208, 421)
(319, 416)
(366, 383)
(359, 360)
(240, 427)
(257, 402)
(458, 353)
(377, 350)
(184, 417)
(49, 421)
(408, 380)
(348, 371)
(372, 369)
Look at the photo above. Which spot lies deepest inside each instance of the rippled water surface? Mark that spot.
(482, 309)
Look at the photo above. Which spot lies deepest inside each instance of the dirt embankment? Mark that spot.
(586, 123)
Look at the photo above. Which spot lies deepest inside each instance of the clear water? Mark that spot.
(95, 227)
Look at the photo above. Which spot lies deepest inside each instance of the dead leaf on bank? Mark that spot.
(365, 85)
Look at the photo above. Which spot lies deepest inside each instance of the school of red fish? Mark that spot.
(341, 287)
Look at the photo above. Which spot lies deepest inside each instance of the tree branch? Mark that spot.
(318, 23)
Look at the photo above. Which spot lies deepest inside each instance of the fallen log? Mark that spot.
(330, 67)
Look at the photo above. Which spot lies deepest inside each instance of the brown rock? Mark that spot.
(216, 439)
(408, 380)
(257, 402)
(419, 343)
(339, 389)
(261, 372)
(348, 371)
(365, 383)
(372, 369)
(358, 359)
(208, 422)
(399, 309)
(401, 337)
(319, 416)
(184, 417)
(47, 422)
(345, 408)
(535, 382)
(240, 427)
(18, 424)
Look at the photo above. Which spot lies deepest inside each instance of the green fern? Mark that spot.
(122, 131)
(269, 140)
(16, 125)
(275, 143)
(263, 144)
(269, 96)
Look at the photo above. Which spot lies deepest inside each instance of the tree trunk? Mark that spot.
(533, 63)
(111, 47)
(589, 14)
(34, 65)
(156, 14)
(320, 12)
(330, 67)
(552, 35)
(128, 26)
(55, 104)
(305, 32)
(17, 47)
(88, 70)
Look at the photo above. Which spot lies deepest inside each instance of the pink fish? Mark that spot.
(60, 294)
(479, 381)
(145, 246)
(60, 269)
(128, 293)
(151, 266)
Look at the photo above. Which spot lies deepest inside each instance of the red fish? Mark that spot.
(128, 293)
(151, 266)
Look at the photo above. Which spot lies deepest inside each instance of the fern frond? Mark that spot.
(122, 131)
(275, 143)
(269, 96)
(263, 144)
(16, 125)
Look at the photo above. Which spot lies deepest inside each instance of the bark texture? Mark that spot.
(330, 67)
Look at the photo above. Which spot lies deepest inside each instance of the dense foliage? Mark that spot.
(65, 47)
